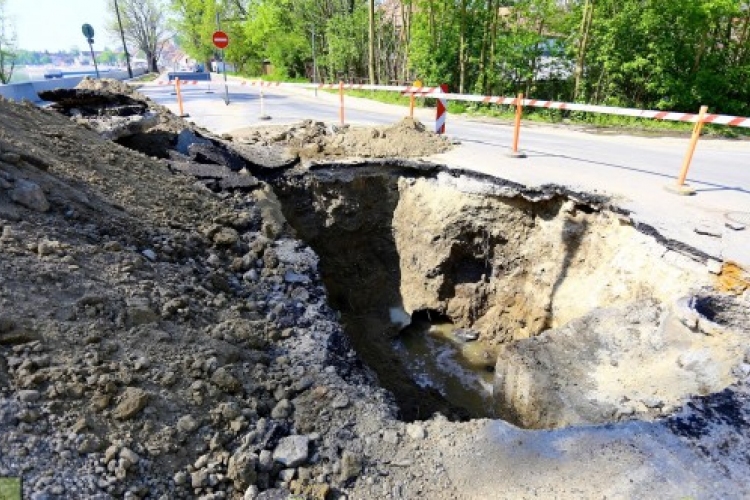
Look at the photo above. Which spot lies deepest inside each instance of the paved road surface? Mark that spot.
(633, 170)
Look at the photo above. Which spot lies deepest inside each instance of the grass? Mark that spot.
(10, 488)
(148, 77)
(597, 121)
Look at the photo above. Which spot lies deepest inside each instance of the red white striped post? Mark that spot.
(442, 104)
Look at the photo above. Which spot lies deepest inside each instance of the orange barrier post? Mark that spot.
(681, 187)
(179, 98)
(341, 98)
(411, 106)
(515, 153)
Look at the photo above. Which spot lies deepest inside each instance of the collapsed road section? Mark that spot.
(254, 315)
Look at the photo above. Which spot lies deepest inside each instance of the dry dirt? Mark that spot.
(316, 140)
(163, 334)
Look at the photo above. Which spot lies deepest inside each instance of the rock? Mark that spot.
(10, 157)
(110, 453)
(292, 451)
(351, 466)
(265, 461)
(341, 401)
(129, 456)
(90, 444)
(199, 479)
(132, 401)
(30, 195)
(283, 409)
(149, 254)
(226, 236)
(29, 395)
(224, 380)
(139, 312)
(180, 478)
(416, 431)
(465, 334)
(287, 475)
(47, 247)
(187, 424)
(251, 493)
(241, 469)
(390, 436)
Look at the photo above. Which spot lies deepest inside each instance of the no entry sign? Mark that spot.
(220, 39)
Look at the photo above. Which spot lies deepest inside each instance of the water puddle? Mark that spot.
(435, 357)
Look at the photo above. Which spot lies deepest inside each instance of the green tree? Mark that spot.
(8, 50)
(145, 25)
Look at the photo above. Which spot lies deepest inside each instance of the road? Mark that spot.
(632, 170)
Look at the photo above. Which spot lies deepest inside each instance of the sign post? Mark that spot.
(88, 32)
(417, 84)
(221, 41)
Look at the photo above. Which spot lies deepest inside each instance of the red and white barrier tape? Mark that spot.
(182, 82)
(728, 120)
(732, 121)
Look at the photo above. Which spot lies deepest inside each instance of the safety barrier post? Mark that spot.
(341, 99)
(179, 98)
(411, 105)
(515, 153)
(442, 105)
(263, 115)
(681, 188)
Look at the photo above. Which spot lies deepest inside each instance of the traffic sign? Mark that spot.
(88, 31)
(220, 39)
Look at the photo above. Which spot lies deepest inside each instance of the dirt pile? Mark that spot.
(315, 140)
(158, 339)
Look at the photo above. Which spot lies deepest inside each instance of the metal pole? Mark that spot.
(93, 58)
(226, 86)
(122, 35)
(223, 63)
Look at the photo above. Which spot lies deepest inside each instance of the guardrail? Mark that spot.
(442, 95)
(28, 90)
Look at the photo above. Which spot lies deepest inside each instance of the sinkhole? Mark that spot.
(477, 299)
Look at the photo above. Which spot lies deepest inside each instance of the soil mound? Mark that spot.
(110, 85)
(315, 140)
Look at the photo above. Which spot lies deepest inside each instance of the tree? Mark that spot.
(145, 25)
(7, 46)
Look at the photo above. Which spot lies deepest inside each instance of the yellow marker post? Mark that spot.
(681, 187)
(179, 97)
(417, 84)
(514, 152)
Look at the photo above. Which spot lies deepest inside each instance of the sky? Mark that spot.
(56, 24)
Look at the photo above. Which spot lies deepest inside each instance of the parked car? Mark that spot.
(52, 73)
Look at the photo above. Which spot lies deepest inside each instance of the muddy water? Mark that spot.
(461, 371)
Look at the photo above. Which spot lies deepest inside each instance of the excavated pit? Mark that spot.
(566, 306)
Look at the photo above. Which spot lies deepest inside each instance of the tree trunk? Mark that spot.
(371, 58)
(462, 50)
(588, 10)
(152, 62)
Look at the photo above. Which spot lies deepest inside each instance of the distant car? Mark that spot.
(52, 73)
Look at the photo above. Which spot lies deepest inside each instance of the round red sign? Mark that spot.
(220, 39)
